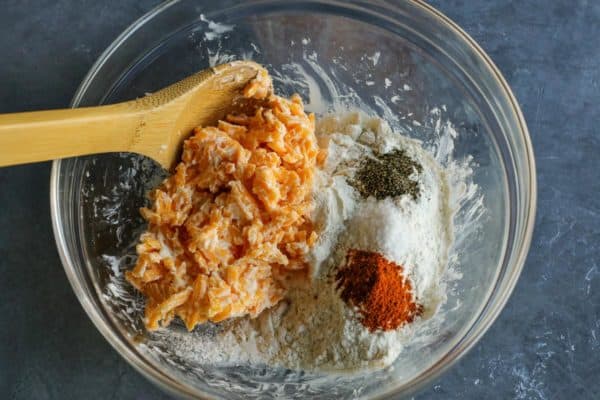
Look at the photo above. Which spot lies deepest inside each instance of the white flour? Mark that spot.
(416, 235)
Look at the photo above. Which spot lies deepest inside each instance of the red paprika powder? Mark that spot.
(378, 289)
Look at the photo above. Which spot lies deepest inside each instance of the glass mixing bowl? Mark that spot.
(401, 60)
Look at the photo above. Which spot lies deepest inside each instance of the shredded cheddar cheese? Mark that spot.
(232, 223)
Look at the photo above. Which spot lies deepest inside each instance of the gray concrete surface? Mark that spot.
(545, 345)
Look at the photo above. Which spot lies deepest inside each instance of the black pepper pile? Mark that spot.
(387, 175)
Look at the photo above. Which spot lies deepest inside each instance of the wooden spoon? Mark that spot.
(154, 126)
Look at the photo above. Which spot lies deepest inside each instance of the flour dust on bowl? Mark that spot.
(404, 64)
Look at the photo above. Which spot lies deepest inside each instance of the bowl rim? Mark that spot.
(464, 344)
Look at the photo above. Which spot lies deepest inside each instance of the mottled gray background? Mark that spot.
(545, 345)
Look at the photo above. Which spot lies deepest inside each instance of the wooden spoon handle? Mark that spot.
(47, 135)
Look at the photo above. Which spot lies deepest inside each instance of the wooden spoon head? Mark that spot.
(199, 100)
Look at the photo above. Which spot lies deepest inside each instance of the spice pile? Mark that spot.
(377, 288)
(387, 175)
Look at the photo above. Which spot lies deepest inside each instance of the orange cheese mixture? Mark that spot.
(232, 222)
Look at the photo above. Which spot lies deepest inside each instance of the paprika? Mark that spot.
(378, 290)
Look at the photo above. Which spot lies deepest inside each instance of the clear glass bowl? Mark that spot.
(427, 61)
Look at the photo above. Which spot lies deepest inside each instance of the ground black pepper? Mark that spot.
(387, 175)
